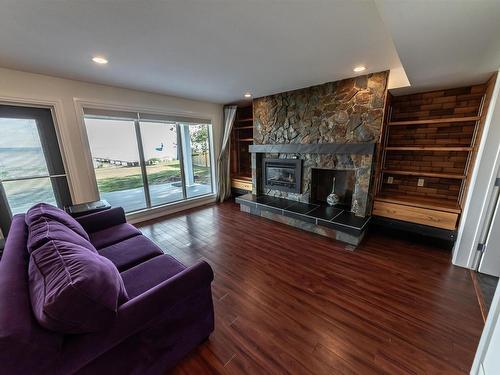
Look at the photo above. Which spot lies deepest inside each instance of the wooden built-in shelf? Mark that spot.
(241, 138)
(242, 183)
(424, 142)
(435, 121)
(424, 174)
(427, 148)
(420, 201)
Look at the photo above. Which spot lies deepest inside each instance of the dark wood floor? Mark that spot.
(287, 301)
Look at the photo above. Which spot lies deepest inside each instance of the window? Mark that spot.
(196, 153)
(143, 160)
(31, 166)
(163, 167)
(113, 144)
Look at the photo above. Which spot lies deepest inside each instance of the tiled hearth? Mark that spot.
(328, 221)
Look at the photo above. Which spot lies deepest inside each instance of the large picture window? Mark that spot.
(31, 164)
(142, 160)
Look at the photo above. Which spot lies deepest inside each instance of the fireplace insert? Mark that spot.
(282, 174)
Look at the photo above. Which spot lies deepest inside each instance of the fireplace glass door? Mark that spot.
(282, 174)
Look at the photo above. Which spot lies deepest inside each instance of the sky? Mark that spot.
(116, 139)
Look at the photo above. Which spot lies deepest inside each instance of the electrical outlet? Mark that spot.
(420, 182)
(390, 180)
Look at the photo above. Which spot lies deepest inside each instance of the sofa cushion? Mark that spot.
(150, 273)
(25, 346)
(46, 210)
(72, 289)
(112, 235)
(46, 229)
(130, 252)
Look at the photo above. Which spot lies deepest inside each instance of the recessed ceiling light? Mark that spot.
(247, 95)
(360, 68)
(99, 60)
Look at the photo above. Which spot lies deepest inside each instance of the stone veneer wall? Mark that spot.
(346, 111)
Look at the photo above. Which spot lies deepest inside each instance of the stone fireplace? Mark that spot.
(330, 130)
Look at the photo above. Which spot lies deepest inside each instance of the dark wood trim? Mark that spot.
(427, 148)
(435, 121)
(425, 174)
(479, 295)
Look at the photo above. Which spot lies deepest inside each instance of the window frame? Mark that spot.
(138, 116)
(53, 154)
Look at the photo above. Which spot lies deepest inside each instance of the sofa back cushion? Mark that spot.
(73, 290)
(51, 212)
(46, 229)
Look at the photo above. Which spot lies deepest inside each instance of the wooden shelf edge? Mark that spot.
(407, 201)
(424, 174)
(242, 178)
(242, 127)
(244, 119)
(425, 148)
(246, 139)
(434, 121)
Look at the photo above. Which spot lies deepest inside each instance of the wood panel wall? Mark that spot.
(458, 102)
(437, 152)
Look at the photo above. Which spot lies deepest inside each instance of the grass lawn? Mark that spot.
(122, 178)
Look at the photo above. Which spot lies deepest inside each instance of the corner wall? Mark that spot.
(63, 94)
(481, 187)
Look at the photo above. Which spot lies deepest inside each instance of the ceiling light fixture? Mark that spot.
(99, 60)
(247, 95)
(360, 68)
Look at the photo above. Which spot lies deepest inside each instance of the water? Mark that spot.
(22, 162)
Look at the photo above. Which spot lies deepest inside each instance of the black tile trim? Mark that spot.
(280, 206)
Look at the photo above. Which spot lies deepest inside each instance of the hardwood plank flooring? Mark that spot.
(289, 301)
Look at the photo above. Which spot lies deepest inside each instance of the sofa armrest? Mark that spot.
(102, 220)
(168, 292)
(139, 312)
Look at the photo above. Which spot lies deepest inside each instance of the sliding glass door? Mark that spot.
(115, 155)
(162, 160)
(31, 166)
(197, 163)
(143, 161)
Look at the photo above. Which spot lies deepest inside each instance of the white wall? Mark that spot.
(481, 187)
(66, 97)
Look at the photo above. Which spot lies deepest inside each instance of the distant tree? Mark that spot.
(199, 140)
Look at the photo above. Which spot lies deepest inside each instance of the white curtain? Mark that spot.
(224, 176)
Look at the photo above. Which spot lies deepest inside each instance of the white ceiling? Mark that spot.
(444, 43)
(216, 50)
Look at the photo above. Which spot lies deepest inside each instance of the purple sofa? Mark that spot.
(138, 310)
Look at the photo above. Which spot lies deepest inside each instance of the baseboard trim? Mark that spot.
(479, 295)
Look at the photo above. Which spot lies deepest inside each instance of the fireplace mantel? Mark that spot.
(318, 148)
